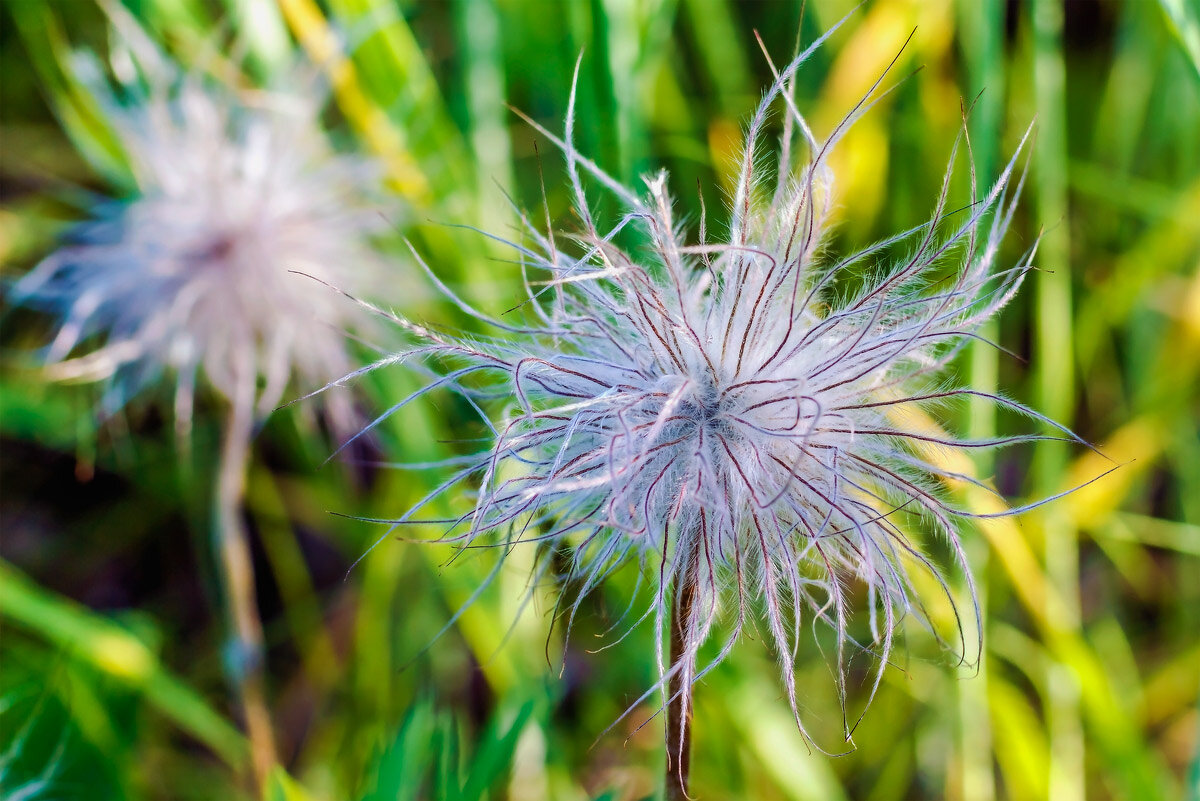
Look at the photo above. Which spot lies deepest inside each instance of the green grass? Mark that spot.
(111, 661)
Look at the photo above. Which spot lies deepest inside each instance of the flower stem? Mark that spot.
(245, 662)
(679, 698)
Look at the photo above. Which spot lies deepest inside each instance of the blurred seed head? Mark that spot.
(729, 413)
(239, 202)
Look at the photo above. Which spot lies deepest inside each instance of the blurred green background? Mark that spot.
(111, 665)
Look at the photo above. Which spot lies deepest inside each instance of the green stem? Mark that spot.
(237, 581)
(983, 41)
(679, 694)
(1056, 389)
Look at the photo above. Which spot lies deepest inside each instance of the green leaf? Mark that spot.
(95, 640)
(1184, 20)
(401, 768)
(282, 787)
(495, 752)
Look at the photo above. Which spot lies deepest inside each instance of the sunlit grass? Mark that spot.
(1092, 656)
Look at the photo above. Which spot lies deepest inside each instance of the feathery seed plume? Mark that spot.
(239, 203)
(725, 412)
(236, 191)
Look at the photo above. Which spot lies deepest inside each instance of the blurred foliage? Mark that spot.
(110, 681)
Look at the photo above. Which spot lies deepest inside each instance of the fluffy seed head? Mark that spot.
(237, 198)
(726, 412)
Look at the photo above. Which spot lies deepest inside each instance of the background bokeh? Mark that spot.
(111, 642)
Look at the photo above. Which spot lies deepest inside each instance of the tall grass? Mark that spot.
(1091, 670)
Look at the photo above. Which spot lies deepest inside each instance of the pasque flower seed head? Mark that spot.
(236, 192)
(727, 412)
